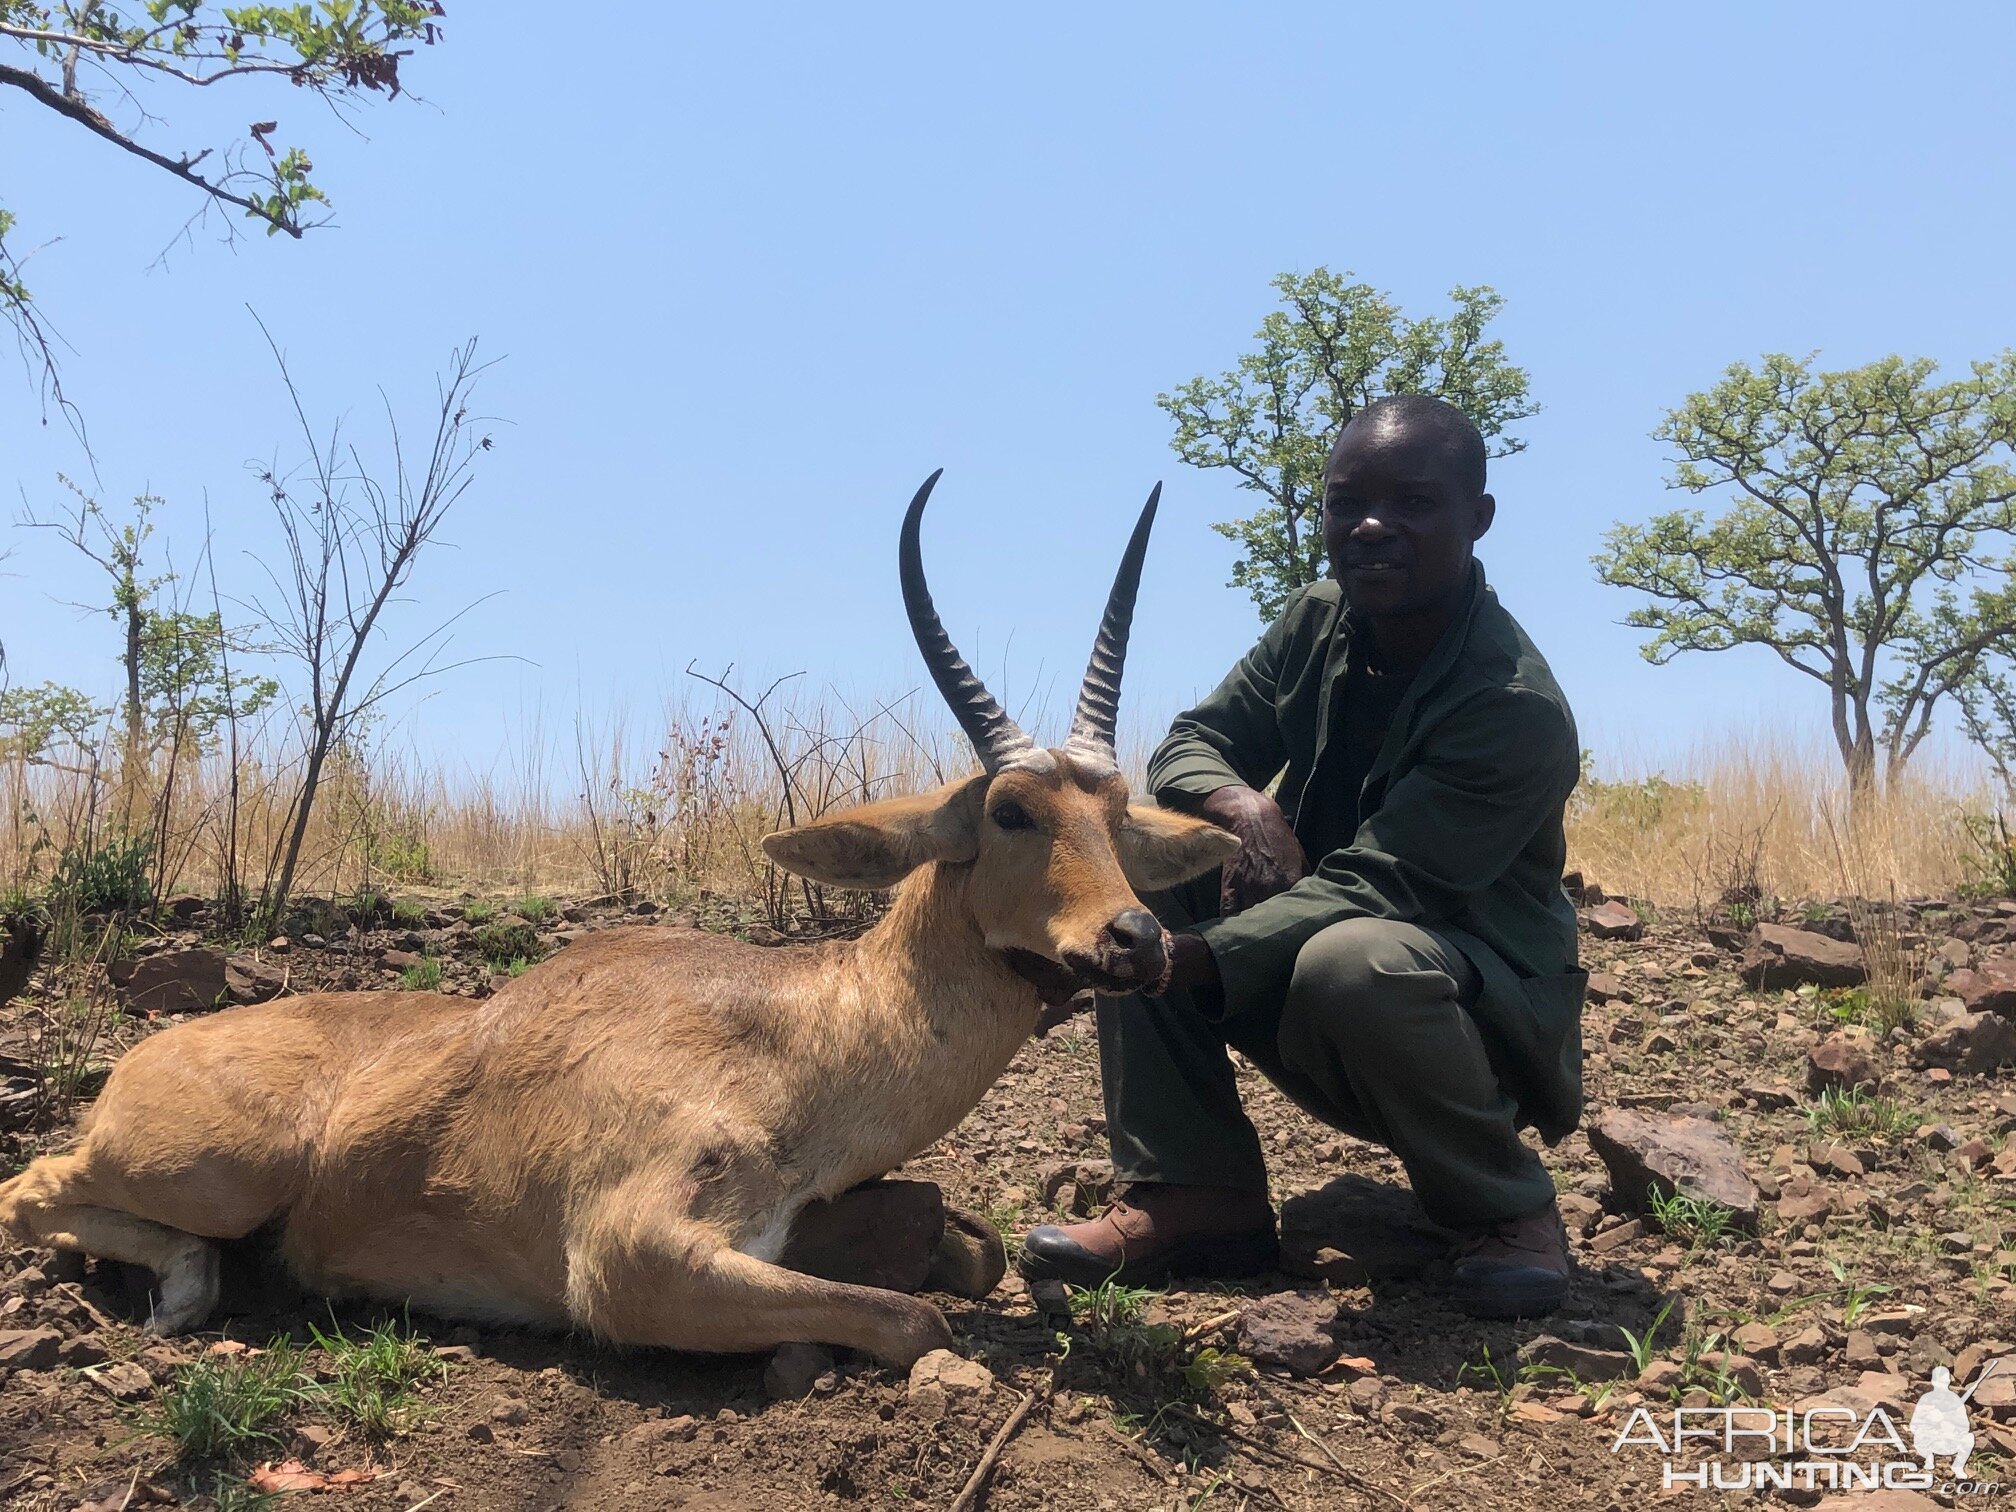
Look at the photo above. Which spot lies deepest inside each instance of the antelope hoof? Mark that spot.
(970, 1259)
(189, 1290)
(922, 1330)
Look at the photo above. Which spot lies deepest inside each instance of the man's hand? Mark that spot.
(1191, 963)
(1270, 858)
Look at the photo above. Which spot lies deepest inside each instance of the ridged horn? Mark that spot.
(1098, 714)
(996, 738)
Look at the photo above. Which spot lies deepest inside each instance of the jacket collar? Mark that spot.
(1441, 662)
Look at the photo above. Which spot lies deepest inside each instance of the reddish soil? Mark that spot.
(1409, 1417)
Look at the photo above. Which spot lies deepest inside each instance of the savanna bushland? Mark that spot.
(1795, 1184)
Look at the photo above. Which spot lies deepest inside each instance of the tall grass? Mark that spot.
(674, 809)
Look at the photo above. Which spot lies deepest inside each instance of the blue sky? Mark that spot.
(755, 270)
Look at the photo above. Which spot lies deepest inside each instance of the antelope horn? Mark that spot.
(1098, 713)
(996, 738)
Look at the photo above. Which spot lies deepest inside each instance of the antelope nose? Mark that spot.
(1136, 929)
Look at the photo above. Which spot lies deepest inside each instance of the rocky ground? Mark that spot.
(1846, 1221)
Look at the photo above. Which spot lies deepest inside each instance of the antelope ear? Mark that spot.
(1159, 848)
(879, 844)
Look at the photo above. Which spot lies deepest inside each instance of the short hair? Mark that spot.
(1448, 424)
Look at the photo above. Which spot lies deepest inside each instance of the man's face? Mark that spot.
(1398, 520)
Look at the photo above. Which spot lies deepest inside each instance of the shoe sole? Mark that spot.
(1224, 1258)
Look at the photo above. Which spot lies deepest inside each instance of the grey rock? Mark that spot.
(1292, 1331)
(1777, 955)
(1647, 1152)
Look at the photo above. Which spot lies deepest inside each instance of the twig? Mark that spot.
(1135, 1448)
(1334, 1468)
(970, 1495)
(1209, 1326)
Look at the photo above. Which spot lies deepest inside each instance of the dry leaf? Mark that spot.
(292, 1475)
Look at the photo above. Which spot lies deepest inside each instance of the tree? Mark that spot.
(1867, 540)
(68, 53)
(1334, 348)
(352, 540)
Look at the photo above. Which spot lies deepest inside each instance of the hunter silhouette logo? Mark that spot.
(1827, 1445)
(1939, 1423)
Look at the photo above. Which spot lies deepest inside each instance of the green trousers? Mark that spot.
(1375, 1038)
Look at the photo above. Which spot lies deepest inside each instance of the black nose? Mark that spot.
(1136, 929)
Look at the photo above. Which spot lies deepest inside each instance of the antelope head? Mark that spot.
(1055, 854)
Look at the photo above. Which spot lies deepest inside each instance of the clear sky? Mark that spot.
(755, 270)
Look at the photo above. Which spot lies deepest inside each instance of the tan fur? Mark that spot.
(619, 1139)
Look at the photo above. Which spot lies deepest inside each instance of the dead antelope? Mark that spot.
(620, 1139)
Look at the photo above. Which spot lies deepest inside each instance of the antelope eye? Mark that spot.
(1012, 816)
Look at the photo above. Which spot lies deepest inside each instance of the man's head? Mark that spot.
(1403, 503)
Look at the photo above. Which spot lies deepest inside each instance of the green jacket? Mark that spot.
(1462, 832)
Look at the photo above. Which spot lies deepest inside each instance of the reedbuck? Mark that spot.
(620, 1139)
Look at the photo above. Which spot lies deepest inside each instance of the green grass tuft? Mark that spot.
(224, 1406)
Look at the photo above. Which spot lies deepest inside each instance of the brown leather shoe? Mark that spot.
(1519, 1269)
(1154, 1231)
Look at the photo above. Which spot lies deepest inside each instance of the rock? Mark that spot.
(175, 981)
(1969, 1044)
(250, 980)
(1612, 921)
(1617, 1236)
(400, 960)
(1412, 1415)
(1051, 1299)
(512, 1412)
(1648, 1152)
(970, 1259)
(941, 1377)
(1833, 1160)
(1080, 1187)
(1604, 988)
(1809, 1346)
(793, 1369)
(122, 1380)
(1777, 955)
(1580, 1213)
(310, 1439)
(884, 1234)
(1770, 1098)
(1842, 1061)
(1758, 1340)
(1291, 1331)
(1366, 1395)
(86, 1349)
(1661, 1378)
(1989, 987)
(29, 1348)
(1940, 1137)
(1586, 1363)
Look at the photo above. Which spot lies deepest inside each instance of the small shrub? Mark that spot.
(408, 915)
(479, 911)
(1851, 1110)
(371, 1380)
(536, 909)
(1692, 1220)
(501, 944)
(109, 877)
(423, 975)
(518, 967)
(227, 1405)
(1992, 862)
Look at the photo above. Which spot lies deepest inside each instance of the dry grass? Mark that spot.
(1754, 820)
(673, 808)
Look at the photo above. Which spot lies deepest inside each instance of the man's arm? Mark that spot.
(1497, 769)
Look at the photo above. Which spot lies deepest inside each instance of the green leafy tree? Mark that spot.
(179, 683)
(1332, 348)
(75, 54)
(1866, 540)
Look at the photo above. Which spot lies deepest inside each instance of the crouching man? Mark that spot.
(1391, 946)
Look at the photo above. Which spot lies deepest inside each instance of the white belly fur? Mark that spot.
(767, 1242)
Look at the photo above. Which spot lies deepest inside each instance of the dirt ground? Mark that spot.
(1899, 1257)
